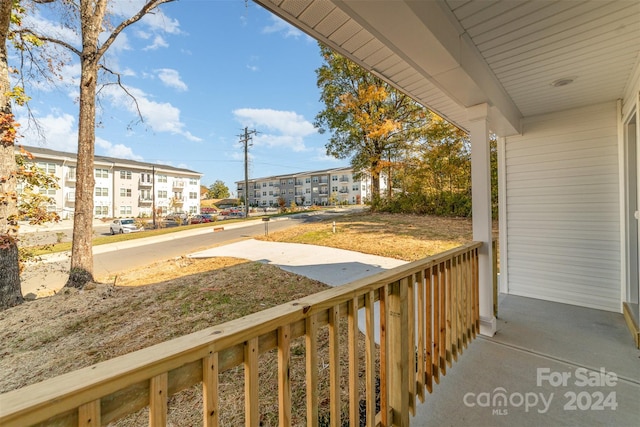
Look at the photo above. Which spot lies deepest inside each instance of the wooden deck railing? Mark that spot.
(427, 313)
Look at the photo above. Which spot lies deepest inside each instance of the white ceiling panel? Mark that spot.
(450, 54)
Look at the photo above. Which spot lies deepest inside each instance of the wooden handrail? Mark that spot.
(428, 311)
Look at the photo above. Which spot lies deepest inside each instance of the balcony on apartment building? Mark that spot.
(177, 184)
(177, 201)
(145, 183)
(70, 198)
(70, 177)
(145, 200)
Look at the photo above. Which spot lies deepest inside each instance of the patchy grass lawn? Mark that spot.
(73, 329)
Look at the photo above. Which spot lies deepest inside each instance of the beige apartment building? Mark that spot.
(321, 188)
(123, 188)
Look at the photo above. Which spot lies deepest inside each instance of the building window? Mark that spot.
(193, 181)
(146, 177)
(290, 181)
(283, 182)
(355, 188)
(315, 179)
(145, 194)
(193, 195)
(334, 188)
(283, 192)
(102, 192)
(47, 191)
(101, 210)
(125, 192)
(71, 173)
(307, 180)
(48, 168)
(307, 190)
(264, 184)
(125, 210)
(290, 191)
(271, 193)
(264, 193)
(162, 178)
(125, 174)
(193, 210)
(271, 184)
(102, 173)
(334, 177)
(162, 194)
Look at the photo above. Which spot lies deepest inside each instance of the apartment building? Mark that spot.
(322, 188)
(123, 188)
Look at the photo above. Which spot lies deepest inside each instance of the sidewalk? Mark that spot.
(48, 275)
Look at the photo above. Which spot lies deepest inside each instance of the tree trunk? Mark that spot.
(10, 290)
(81, 273)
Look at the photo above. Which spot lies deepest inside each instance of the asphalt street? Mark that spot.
(49, 275)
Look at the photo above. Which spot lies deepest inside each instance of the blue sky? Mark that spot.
(201, 71)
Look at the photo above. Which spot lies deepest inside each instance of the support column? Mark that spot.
(481, 211)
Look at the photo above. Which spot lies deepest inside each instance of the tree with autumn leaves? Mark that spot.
(424, 159)
(370, 122)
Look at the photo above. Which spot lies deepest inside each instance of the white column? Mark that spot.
(481, 202)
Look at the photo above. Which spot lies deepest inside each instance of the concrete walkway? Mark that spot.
(331, 266)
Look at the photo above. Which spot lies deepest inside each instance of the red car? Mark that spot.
(199, 219)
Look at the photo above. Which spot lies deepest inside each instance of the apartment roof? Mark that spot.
(295, 174)
(105, 159)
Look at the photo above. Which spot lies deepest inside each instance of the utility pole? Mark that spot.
(245, 139)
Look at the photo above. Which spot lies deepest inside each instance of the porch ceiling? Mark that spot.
(453, 54)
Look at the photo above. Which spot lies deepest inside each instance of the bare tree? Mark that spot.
(93, 22)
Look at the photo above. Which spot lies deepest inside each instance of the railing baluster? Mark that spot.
(449, 312)
(428, 328)
(467, 308)
(454, 308)
(436, 323)
(158, 400)
(284, 379)
(411, 342)
(443, 317)
(311, 345)
(421, 327)
(384, 355)
(476, 291)
(354, 396)
(334, 365)
(370, 354)
(89, 414)
(210, 371)
(398, 353)
(460, 306)
(251, 404)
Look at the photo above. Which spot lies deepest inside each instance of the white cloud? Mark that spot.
(158, 42)
(60, 133)
(160, 117)
(282, 27)
(277, 128)
(120, 151)
(156, 20)
(171, 78)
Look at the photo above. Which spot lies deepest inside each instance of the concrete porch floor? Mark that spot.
(546, 359)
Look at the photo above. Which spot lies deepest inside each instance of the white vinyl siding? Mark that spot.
(563, 213)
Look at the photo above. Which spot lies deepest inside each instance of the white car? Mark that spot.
(124, 225)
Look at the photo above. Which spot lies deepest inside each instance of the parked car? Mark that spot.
(124, 226)
(199, 219)
(179, 217)
(210, 217)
